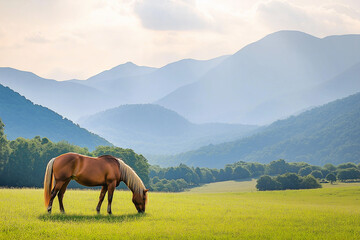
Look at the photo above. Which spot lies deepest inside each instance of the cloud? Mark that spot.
(319, 20)
(171, 15)
(37, 37)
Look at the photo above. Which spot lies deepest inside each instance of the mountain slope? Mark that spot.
(22, 118)
(135, 84)
(152, 129)
(69, 99)
(128, 69)
(279, 64)
(326, 134)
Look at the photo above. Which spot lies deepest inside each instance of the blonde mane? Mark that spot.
(130, 178)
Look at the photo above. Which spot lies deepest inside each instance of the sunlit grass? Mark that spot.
(327, 213)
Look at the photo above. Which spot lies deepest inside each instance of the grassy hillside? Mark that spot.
(327, 213)
(326, 134)
(22, 118)
(152, 129)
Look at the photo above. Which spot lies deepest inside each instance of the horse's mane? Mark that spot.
(130, 178)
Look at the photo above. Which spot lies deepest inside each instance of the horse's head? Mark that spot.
(140, 200)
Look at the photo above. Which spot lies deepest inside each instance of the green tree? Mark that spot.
(241, 173)
(278, 167)
(4, 151)
(305, 171)
(346, 165)
(289, 181)
(309, 182)
(266, 182)
(330, 167)
(331, 178)
(348, 174)
(317, 174)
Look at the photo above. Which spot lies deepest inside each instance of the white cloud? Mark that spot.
(171, 15)
(320, 20)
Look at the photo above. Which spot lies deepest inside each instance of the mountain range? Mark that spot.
(325, 134)
(152, 129)
(191, 103)
(22, 118)
(273, 78)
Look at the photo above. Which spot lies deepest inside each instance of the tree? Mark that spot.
(331, 178)
(228, 173)
(309, 182)
(317, 174)
(265, 183)
(346, 165)
(241, 173)
(348, 174)
(289, 181)
(330, 167)
(278, 167)
(305, 171)
(4, 152)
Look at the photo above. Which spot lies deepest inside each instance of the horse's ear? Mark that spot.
(146, 190)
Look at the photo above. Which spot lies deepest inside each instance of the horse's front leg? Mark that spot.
(101, 198)
(111, 188)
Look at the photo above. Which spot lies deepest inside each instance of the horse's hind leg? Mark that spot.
(101, 198)
(54, 192)
(61, 195)
(111, 188)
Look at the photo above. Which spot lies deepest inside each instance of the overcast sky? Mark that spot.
(65, 39)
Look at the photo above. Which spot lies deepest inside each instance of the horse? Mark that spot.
(106, 171)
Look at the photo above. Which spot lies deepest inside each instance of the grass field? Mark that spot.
(209, 212)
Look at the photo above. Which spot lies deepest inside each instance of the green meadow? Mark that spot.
(227, 210)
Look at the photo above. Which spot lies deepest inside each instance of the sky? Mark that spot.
(76, 39)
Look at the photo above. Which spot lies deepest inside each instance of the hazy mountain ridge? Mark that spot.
(66, 98)
(279, 64)
(325, 134)
(152, 129)
(151, 84)
(22, 118)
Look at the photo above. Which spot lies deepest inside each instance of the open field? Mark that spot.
(329, 213)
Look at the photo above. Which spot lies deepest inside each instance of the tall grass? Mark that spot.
(327, 213)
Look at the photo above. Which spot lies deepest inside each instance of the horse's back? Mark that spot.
(86, 170)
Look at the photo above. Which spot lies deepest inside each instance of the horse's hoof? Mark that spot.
(49, 209)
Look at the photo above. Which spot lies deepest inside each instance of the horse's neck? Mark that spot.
(129, 177)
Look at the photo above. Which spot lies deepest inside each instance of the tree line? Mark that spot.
(174, 179)
(23, 161)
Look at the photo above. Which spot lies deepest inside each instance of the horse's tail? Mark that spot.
(48, 181)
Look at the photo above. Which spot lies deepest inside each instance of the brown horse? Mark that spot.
(106, 171)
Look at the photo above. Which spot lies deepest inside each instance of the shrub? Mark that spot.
(309, 182)
(267, 183)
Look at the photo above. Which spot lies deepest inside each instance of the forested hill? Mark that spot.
(325, 134)
(22, 118)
